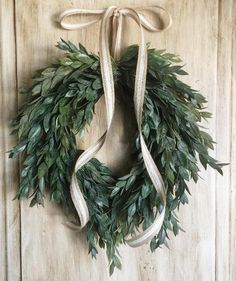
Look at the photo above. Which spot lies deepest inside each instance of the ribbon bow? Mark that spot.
(105, 16)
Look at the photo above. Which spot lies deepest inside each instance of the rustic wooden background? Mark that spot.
(34, 245)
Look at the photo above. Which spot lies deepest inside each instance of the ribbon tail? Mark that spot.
(79, 202)
(157, 181)
(76, 194)
(152, 170)
(149, 233)
(154, 174)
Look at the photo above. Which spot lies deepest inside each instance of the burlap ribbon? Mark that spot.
(111, 23)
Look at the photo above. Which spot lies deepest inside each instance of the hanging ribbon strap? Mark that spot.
(114, 27)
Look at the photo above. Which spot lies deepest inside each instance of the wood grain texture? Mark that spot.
(203, 34)
(9, 210)
(224, 147)
(232, 195)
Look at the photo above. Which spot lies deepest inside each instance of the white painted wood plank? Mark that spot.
(223, 136)
(232, 195)
(9, 210)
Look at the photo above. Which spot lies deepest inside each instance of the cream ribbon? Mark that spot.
(111, 21)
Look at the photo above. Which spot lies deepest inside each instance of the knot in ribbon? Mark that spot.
(111, 23)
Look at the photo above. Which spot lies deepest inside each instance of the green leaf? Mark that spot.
(35, 132)
(76, 64)
(46, 122)
(131, 210)
(145, 191)
(42, 170)
(33, 201)
(121, 183)
(65, 61)
(84, 58)
(56, 196)
(130, 182)
(128, 54)
(175, 229)
(115, 191)
(97, 84)
(36, 89)
(183, 172)
(67, 46)
(42, 185)
(111, 268)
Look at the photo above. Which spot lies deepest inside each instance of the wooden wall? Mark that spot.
(34, 245)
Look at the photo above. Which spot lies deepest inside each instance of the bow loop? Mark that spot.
(112, 21)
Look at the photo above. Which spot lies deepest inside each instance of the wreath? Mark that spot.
(61, 105)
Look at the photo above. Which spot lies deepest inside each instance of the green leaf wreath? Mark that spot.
(61, 105)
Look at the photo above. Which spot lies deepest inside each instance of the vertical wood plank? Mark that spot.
(232, 232)
(224, 136)
(9, 210)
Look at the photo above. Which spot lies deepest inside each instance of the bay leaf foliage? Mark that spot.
(60, 105)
